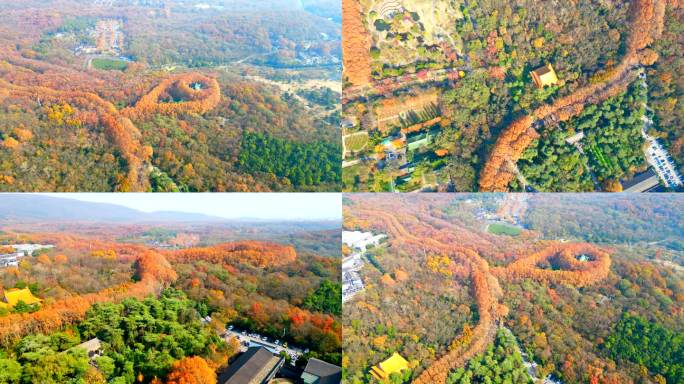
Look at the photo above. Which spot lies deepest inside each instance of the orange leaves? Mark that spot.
(10, 143)
(199, 94)
(379, 342)
(124, 134)
(191, 370)
(22, 134)
(648, 57)
(61, 259)
(647, 23)
(400, 275)
(387, 280)
(510, 145)
(298, 316)
(564, 256)
(44, 259)
(154, 266)
(153, 271)
(147, 152)
(355, 45)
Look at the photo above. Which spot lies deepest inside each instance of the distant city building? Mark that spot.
(10, 259)
(544, 76)
(394, 364)
(321, 372)
(642, 182)
(256, 366)
(14, 295)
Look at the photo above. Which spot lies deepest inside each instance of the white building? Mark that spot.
(351, 265)
(358, 240)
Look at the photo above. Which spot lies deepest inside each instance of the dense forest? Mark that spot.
(186, 95)
(110, 281)
(501, 363)
(612, 147)
(480, 58)
(173, 332)
(586, 282)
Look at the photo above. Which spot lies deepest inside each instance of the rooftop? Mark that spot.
(15, 295)
(543, 76)
(393, 364)
(642, 182)
(256, 366)
(321, 372)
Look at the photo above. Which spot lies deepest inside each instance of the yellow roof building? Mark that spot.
(15, 295)
(544, 76)
(394, 364)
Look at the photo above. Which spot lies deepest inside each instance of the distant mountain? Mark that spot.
(36, 207)
(325, 8)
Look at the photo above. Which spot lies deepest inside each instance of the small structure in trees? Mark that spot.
(394, 364)
(544, 76)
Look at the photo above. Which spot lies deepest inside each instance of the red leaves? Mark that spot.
(255, 253)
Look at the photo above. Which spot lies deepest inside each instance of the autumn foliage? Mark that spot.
(570, 270)
(191, 370)
(647, 25)
(355, 44)
(454, 252)
(255, 253)
(69, 107)
(153, 273)
(178, 88)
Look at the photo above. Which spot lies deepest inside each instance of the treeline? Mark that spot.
(293, 299)
(648, 344)
(303, 164)
(258, 254)
(151, 272)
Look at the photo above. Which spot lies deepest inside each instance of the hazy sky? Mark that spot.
(308, 206)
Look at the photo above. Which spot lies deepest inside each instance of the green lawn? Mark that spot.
(356, 141)
(109, 64)
(503, 229)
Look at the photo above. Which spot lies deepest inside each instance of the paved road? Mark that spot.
(294, 352)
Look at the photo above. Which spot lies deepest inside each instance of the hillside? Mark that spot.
(203, 97)
(571, 293)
